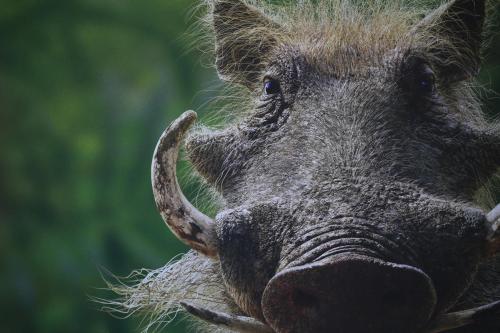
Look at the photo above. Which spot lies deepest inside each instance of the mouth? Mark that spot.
(349, 294)
(442, 323)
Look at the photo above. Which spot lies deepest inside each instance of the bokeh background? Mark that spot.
(86, 88)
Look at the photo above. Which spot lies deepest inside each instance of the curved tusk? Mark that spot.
(494, 215)
(493, 220)
(233, 322)
(449, 321)
(189, 225)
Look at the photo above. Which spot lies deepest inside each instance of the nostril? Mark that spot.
(303, 299)
(352, 294)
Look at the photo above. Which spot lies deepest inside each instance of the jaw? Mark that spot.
(485, 316)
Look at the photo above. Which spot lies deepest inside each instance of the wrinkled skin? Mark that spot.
(348, 198)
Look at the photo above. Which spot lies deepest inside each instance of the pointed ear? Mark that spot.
(455, 30)
(244, 39)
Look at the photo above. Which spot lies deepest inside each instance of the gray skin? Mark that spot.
(348, 198)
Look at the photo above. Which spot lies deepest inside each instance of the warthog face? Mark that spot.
(348, 186)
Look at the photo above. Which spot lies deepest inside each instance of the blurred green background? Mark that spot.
(86, 87)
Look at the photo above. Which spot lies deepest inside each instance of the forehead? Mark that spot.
(347, 46)
(346, 62)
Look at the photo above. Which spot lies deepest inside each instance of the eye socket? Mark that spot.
(426, 80)
(271, 86)
(418, 77)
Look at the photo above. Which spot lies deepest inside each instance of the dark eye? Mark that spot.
(426, 81)
(418, 78)
(271, 86)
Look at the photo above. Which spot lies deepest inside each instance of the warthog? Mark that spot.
(347, 189)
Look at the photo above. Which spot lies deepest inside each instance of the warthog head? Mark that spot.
(348, 185)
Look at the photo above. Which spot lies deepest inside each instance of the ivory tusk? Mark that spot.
(494, 215)
(458, 319)
(493, 221)
(189, 225)
(237, 323)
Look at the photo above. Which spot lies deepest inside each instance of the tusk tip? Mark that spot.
(189, 115)
(184, 122)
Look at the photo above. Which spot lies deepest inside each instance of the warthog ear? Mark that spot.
(244, 38)
(455, 32)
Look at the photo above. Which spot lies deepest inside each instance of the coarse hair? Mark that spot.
(327, 33)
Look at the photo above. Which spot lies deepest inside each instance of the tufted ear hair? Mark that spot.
(456, 33)
(244, 39)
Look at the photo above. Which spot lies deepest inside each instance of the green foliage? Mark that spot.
(86, 87)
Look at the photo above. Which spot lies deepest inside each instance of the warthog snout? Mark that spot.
(349, 293)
